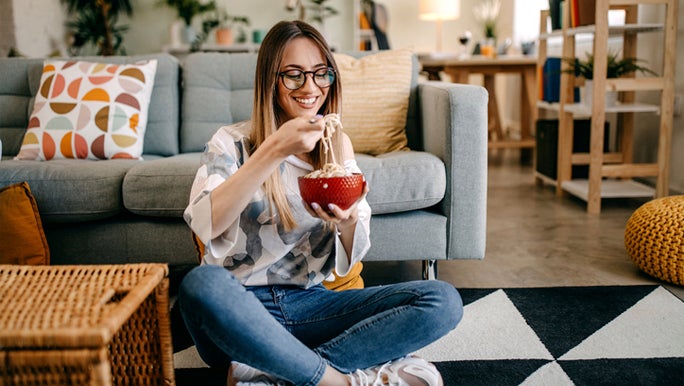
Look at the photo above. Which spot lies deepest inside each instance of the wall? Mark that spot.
(153, 22)
(7, 37)
(39, 27)
(646, 134)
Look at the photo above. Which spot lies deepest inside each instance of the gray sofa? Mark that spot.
(428, 204)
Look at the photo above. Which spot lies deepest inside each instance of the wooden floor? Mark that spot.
(535, 239)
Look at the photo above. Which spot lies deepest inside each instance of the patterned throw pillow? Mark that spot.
(375, 100)
(89, 110)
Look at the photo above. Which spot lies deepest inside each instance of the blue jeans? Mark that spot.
(293, 333)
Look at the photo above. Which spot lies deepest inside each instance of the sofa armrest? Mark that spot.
(454, 126)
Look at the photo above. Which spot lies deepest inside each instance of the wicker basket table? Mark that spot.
(85, 325)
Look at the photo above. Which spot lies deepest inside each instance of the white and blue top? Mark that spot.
(256, 248)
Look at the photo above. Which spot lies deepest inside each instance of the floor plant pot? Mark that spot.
(587, 98)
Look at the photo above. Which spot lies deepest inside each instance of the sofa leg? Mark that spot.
(429, 269)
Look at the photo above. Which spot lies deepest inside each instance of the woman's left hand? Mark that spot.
(342, 218)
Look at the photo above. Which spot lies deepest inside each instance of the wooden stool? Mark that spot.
(654, 238)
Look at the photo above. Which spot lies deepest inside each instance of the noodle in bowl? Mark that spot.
(331, 184)
(342, 191)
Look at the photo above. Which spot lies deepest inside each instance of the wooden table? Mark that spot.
(459, 69)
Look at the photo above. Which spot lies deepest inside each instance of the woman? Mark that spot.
(257, 298)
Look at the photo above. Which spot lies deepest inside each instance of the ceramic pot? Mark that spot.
(587, 91)
(224, 36)
(189, 34)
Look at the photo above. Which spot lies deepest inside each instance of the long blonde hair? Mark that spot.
(267, 115)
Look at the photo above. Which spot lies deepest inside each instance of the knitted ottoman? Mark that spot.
(654, 238)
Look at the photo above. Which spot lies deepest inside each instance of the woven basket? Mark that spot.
(654, 238)
(85, 325)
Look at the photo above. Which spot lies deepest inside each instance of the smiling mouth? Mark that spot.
(306, 101)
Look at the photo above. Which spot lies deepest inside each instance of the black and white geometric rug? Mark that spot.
(623, 335)
(612, 335)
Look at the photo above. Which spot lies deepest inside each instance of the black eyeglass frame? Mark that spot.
(329, 72)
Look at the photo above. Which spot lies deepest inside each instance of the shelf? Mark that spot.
(583, 111)
(609, 189)
(612, 30)
(612, 173)
(545, 179)
(185, 49)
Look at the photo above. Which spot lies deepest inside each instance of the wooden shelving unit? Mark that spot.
(611, 174)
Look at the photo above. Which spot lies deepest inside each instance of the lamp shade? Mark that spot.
(439, 9)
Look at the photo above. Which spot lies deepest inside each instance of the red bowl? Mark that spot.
(341, 191)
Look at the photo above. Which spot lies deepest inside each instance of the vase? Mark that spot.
(189, 34)
(587, 91)
(176, 33)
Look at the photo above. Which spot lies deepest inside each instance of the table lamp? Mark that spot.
(439, 10)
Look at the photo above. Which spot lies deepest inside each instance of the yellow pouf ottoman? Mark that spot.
(654, 238)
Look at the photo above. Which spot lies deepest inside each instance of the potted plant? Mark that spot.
(615, 68)
(95, 23)
(224, 25)
(319, 11)
(187, 10)
(229, 29)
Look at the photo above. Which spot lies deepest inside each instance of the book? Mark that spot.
(551, 75)
(586, 12)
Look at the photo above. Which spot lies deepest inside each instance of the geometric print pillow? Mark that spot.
(89, 110)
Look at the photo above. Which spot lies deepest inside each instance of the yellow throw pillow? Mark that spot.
(89, 110)
(353, 280)
(375, 98)
(22, 237)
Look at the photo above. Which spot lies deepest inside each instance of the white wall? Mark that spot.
(39, 27)
(646, 134)
(7, 38)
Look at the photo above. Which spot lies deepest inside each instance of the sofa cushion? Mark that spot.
(19, 83)
(21, 236)
(217, 91)
(160, 187)
(71, 190)
(376, 91)
(89, 110)
(403, 181)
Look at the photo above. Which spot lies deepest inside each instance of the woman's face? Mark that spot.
(303, 55)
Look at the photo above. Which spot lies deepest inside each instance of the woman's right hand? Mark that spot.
(298, 135)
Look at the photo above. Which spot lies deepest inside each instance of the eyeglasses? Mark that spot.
(295, 79)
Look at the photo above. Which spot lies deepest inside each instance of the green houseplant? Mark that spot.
(95, 22)
(318, 10)
(616, 67)
(188, 9)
